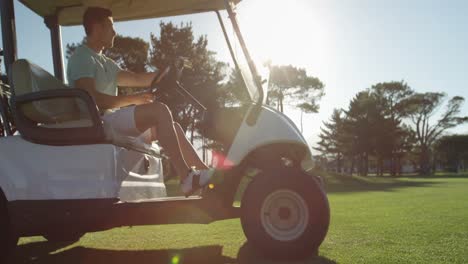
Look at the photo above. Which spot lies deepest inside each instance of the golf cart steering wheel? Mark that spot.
(166, 83)
(167, 80)
(156, 86)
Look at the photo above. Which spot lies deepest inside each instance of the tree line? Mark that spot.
(386, 124)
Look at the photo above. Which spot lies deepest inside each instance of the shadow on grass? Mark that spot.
(344, 183)
(446, 175)
(247, 255)
(43, 252)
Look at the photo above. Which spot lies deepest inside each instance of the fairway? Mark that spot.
(374, 220)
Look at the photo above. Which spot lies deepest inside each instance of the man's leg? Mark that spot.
(188, 151)
(158, 115)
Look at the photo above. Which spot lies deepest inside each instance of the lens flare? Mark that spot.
(220, 161)
(175, 259)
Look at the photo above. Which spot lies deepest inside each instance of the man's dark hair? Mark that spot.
(94, 15)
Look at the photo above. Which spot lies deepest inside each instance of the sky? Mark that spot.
(349, 45)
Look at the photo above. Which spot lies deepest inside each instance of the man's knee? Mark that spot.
(158, 110)
(152, 114)
(159, 107)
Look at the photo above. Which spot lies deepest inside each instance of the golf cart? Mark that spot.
(62, 174)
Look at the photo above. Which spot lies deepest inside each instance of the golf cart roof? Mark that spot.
(70, 12)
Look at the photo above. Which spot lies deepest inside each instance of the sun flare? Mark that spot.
(285, 32)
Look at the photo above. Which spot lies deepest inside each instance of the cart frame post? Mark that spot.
(7, 13)
(56, 41)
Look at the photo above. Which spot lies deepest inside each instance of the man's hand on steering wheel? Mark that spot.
(161, 75)
(166, 83)
(167, 79)
(160, 85)
(143, 98)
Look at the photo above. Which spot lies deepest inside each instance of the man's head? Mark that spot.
(99, 26)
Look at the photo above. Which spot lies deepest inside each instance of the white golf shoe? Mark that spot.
(195, 180)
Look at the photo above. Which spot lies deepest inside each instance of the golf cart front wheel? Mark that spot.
(285, 214)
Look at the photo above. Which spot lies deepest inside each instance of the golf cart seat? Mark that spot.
(47, 111)
(29, 78)
(60, 151)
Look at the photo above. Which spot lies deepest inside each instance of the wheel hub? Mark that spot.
(284, 215)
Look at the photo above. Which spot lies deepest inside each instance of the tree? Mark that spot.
(453, 151)
(423, 107)
(393, 144)
(352, 136)
(361, 127)
(203, 79)
(289, 82)
(234, 91)
(403, 147)
(331, 138)
(371, 129)
(130, 53)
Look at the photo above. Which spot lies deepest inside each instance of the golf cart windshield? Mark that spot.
(247, 68)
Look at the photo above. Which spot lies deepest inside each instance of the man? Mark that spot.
(90, 70)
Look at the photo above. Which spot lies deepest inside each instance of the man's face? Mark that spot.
(106, 32)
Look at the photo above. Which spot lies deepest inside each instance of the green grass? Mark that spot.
(374, 220)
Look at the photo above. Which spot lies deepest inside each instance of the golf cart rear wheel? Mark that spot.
(64, 237)
(285, 214)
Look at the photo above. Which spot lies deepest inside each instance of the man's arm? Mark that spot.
(105, 101)
(130, 79)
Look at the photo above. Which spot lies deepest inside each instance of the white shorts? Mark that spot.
(122, 121)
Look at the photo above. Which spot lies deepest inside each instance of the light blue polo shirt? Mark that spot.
(86, 63)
